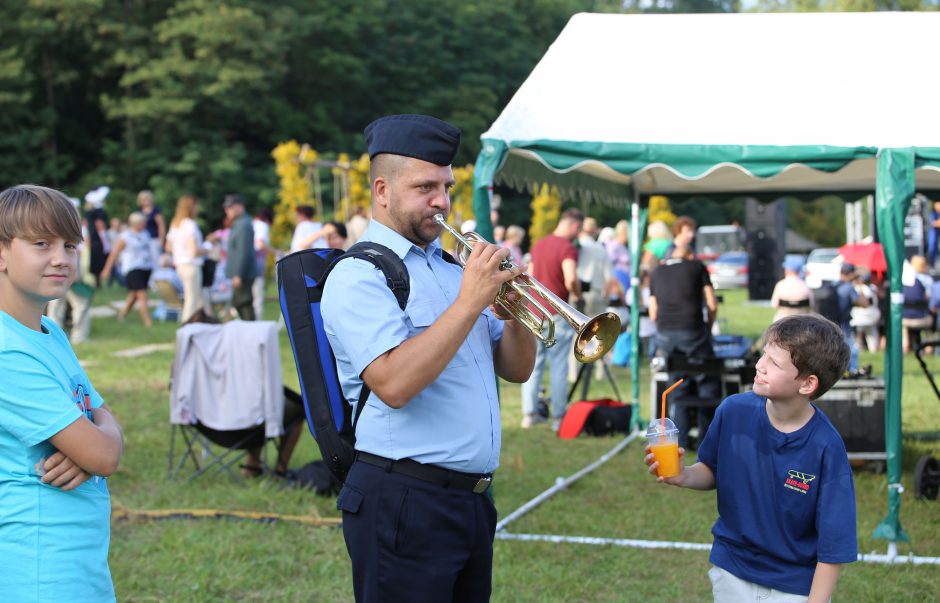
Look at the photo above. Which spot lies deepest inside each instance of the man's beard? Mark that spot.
(420, 230)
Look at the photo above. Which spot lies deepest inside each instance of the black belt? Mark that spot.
(803, 303)
(472, 482)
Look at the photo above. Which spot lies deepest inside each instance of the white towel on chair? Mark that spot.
(228, 376)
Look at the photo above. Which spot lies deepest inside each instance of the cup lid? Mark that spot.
(655, 428)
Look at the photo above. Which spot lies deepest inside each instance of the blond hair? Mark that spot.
(29, 210)
(185, 208)
(623, 231)
(513, 232)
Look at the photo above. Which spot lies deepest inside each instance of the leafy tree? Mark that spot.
(46, 58)
(821, 220)
(193, 95)
(682, 6)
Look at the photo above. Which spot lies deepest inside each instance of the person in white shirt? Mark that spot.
(184, 242)
(262, 226)
(356, 225)
(791, 295)
(134, 251)
(513, 242)
(596, 274)
(306, 226)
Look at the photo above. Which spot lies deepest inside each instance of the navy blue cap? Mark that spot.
(419, 136)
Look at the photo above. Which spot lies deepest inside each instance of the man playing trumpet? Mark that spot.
(417, 519)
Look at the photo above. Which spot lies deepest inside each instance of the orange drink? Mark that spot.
(666, 453)
(664, 445)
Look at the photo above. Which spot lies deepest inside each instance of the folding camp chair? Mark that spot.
(170, 303)
(226, 395)
(216, 451)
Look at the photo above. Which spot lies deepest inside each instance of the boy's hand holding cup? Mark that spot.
(663, 455)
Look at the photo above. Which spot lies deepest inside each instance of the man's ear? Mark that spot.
(380, 191)
(810, 385)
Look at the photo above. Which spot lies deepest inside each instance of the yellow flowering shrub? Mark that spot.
(461, 203)
(290, 160)
(660, 210)
(546, 210)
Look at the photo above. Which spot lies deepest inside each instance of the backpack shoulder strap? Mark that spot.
(386, 260)
(396, 276)
(449, 258)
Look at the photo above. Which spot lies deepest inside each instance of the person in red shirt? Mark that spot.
(554, 264)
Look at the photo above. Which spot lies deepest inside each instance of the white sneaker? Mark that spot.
(556, 424)
(530, 420)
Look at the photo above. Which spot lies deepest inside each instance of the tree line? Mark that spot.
(193, 95)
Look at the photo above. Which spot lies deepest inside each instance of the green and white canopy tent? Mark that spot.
(625, 106)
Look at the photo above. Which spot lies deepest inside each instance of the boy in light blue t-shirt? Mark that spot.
(58, 440)
(786, 498)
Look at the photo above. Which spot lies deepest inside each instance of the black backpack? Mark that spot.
(300, 279)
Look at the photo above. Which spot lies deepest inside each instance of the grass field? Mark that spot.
(239, 560)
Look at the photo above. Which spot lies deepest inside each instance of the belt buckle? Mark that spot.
(482, 485)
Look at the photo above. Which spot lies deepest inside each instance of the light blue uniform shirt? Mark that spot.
(54, 543)
(454, 422)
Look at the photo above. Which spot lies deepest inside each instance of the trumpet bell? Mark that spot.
(596, 337)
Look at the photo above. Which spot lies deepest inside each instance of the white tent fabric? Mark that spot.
(858, 80)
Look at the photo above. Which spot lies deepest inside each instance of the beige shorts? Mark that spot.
(728, 588)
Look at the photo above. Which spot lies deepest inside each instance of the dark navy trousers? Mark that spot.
(410, 540)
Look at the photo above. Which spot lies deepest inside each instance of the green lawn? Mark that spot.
(237, 560)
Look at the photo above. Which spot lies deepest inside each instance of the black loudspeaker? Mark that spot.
(856, 408)
(766, 246)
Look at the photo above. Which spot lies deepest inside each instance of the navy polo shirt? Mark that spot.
(785, 500)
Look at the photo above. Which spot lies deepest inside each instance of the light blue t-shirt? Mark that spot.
(454, 422)
(53, 543)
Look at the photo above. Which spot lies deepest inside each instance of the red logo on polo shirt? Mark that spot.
(798, 481)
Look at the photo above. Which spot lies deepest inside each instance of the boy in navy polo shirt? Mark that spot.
(786, 499)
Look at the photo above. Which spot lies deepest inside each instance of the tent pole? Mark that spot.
(637, 227)
(484, 171)
(894, 188)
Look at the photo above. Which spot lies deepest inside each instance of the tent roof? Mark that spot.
(726, 102)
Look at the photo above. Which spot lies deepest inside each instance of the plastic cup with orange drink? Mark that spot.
(663, 437)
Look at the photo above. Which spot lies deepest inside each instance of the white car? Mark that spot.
(822, 265)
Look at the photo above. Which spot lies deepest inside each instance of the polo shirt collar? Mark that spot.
(380, 233)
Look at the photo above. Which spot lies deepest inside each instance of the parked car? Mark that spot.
(729, 270)
(822, 265)
(712, 241)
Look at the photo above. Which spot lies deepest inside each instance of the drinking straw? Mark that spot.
(662, 432)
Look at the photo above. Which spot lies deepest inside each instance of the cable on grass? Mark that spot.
(123, 515)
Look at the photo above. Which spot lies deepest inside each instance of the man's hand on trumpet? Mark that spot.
(483, 277)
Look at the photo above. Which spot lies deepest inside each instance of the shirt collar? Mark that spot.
(380, 233)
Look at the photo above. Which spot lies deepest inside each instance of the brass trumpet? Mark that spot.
(595, 336)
